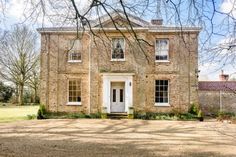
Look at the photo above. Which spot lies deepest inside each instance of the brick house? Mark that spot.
(106, 70)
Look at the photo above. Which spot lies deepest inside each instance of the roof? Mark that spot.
(141, 25)
(217, 85)
(118, 13)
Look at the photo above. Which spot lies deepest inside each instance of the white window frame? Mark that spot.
(164, 104)
(68, 94)
(71, 60)
(72, 50)
(117, 59)
(168, 41)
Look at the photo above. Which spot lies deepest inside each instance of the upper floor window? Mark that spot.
(74, 51)
(162, 50)
(74, 92)
(118, 49)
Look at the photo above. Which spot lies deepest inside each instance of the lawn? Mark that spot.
(14, 113)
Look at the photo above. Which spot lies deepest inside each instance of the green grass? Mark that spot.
(15, 113)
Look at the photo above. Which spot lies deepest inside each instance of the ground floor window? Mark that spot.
(162, 91)
(74, 91)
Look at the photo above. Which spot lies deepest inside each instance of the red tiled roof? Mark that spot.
(217, 85)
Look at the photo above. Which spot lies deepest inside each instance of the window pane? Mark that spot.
(121, 95)
(161, 88)
(114, 95)
(161, 99)
(74, 55)
(118, 48)
(162, 49)
(165, 100)
(156, 99)
(74, 45)
(74, 50)
(70, 99)
(78, 99)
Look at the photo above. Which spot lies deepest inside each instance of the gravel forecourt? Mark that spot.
(113, 138)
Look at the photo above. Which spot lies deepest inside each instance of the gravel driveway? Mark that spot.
(86, 137)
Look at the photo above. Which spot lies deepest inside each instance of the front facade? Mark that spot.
(110, 70)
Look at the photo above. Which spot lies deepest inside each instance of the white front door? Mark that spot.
(117, 97)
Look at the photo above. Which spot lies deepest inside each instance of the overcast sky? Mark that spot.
(209, 71)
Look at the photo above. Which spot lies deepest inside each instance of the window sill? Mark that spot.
(74, 103)
(74, 61)
(119, 60)
(162, 104)
(162, 61)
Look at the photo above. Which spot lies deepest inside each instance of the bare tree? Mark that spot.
(18, 57)
(217, 22)
(33, 82)
(217, 18)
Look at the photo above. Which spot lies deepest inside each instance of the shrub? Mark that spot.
(150, 116)
(33, 116)
(194, 109)
(95, 115)
(104, 115)
(41, 112)
(187, 116)
(139, 115)
(74, 115)
(165, 116)
(64, 115)
(225, 115)
(6, 92)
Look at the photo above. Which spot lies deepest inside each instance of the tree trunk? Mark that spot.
(20, 96)
(35, 95)
(16, 99)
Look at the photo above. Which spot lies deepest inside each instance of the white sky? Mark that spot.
(211, 71)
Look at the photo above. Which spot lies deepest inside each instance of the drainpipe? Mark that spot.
(189, 74)
(48, 69)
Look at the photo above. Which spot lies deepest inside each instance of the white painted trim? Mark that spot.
(118, 74)
(162, 61)
(158, 103)
(74, 61)
(132, 18)
(162, 104)
(117, 59)
(74, 103)
(168, 56)
(164, 29)
(127, 78)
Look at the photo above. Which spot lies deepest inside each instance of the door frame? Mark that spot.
(117, 77)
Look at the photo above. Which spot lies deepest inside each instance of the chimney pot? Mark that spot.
(223, 77)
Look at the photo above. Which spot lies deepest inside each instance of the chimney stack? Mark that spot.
(157, 21)
(223, 77)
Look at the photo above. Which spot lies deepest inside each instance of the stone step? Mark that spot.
(117, 115)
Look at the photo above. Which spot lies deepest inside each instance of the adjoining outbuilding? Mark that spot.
(217, 96)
